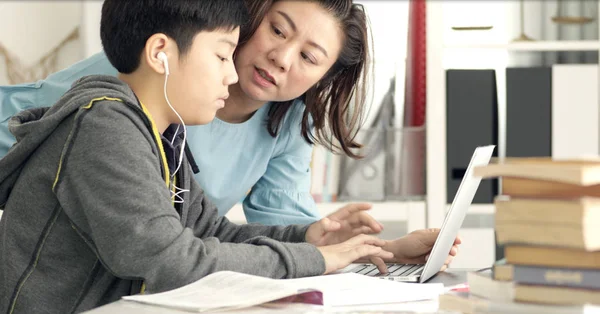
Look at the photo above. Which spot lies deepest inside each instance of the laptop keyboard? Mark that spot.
(393, 270)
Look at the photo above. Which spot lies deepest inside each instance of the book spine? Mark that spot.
(482, 285)
(522, 187)
(564, 236)
(503, 272)
(575, 278)
(553, 257)
(543, 211)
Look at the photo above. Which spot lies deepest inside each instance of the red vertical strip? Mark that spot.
(416, 65)
(415, 101)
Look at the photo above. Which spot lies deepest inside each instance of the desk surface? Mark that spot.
(450, 277)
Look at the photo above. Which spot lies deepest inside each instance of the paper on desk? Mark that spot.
(220, 290)
(231, 290)
(355, 289)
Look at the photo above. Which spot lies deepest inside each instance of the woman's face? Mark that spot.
(295, 45)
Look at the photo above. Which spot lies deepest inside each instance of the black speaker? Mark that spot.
(529, 112)
(471, 121)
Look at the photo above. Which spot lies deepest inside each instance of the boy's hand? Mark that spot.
(345, 223)
(363, 246)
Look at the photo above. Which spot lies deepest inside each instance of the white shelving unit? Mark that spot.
(436, 101)
(478, 209)
(564, 45)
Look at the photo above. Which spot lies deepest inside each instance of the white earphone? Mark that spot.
(162, 56)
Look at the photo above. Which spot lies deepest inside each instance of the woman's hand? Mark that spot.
(415, 247)
(345, 223)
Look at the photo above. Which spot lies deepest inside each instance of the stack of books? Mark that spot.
(548, 219)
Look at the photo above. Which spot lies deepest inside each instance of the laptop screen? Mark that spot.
(458, 210)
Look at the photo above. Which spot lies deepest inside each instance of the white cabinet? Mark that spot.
(442, 49)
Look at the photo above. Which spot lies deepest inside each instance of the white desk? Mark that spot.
(448, 278)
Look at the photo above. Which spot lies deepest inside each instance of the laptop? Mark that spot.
(454, 219)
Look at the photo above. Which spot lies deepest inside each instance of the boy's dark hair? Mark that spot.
(126, 25)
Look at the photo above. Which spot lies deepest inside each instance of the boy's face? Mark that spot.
(198, 83)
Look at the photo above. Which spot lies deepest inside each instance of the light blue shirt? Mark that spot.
(233, 159)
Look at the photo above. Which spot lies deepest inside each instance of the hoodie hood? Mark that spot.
(32, 127)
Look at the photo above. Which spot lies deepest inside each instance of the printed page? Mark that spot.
(220, 290)
(231, 290)
(354, 289)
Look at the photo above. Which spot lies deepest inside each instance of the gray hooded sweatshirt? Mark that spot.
(88, 216)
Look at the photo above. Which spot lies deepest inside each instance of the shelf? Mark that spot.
(485, 209)
(482, 209)
(559, 45)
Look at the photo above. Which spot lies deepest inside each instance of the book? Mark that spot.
(503, 272)
(523, 187)
(565, 236)
(551, 257)
(464, 302)
(573, 171)
(550, 276)
(556, 295)
(581, 211)
(226, 290)
(482, 284)
(573, 223)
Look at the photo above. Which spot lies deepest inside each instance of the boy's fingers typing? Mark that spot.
(378, 261)
(359, 247)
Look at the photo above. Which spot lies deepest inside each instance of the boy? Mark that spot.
(99, 201)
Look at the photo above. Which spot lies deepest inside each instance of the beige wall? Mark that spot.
(30, 29)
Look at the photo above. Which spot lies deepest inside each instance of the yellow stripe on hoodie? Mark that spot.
(156, 134)
(88, 106)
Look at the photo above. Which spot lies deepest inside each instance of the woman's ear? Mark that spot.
(154, 45)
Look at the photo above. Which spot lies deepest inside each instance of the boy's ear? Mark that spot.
(157, 43)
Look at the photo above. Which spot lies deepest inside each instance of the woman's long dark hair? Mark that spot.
(336, 103)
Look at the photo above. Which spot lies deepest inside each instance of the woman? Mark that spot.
(299, 64)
